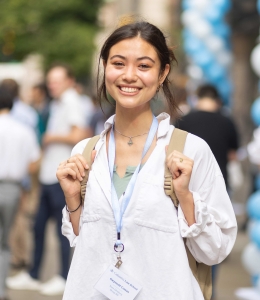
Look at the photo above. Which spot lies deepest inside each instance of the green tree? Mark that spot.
(61, 30)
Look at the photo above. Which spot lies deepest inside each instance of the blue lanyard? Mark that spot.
(117, 209)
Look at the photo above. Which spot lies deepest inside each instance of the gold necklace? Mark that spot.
(130, 142)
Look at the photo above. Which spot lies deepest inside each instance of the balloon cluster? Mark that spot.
(206, 38)
(251, 254)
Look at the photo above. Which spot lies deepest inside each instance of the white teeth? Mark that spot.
(129, 89)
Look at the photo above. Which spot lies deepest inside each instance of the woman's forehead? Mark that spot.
(136, 46)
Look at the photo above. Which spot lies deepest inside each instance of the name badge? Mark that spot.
(115, 285)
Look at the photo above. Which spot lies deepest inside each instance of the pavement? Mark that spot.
(231, 274)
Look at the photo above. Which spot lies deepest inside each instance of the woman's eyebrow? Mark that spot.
(117, 55)
(140, 58)
(146, 57)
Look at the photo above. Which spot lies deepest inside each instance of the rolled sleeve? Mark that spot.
(212, 237)
(201, 216)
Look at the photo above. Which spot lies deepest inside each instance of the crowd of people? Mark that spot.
(38, 139)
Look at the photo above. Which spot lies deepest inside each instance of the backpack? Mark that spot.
(201, 272)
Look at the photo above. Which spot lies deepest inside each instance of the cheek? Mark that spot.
(111, 75)
(151, 81)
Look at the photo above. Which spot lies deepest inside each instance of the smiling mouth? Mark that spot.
(128, 89)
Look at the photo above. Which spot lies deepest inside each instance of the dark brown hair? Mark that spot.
(155, 38)
(209, 91)
(6, 99)
(11, 86)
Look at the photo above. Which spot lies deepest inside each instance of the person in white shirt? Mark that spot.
(64, 130)
(140, 221)
(21, 228)
(19, 153)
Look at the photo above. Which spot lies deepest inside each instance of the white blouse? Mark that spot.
(153, 230)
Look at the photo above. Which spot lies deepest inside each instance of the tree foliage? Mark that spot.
(60, 30)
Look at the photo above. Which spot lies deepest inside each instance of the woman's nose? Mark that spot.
(130, 74)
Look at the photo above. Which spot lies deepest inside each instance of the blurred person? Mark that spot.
(40, 102)
(64, 130)
(20, 233)
(209, 123)
(19, 152)
(88, 107)
(21, 111)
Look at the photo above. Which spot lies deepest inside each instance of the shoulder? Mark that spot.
(79, 147)
(197, 149)
(21, 129)
(196, 145)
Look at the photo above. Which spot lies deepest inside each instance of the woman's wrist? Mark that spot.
(73, 202)
(187, 205)
(73, 210)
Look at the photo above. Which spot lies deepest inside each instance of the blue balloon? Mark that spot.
(255, 234)
(254, 279)
(253, 206)
(203, 58)
(223, 5)
(258, 6)
(255, 111)
(222, 29)
(213, 15)
(215, 72)
(257, 182)
(185, 4)
(192, 44)
(225, 88)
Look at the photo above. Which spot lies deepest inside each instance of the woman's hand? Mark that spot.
(180, 167)
(70, 173)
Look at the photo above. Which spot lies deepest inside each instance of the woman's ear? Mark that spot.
(164, 73)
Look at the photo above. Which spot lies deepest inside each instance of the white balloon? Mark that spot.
(200, 5)
(214, 43)
(195, 72)
(225, 58)
(190, 17)
(201, 29)
(255, 60)
(251, 259)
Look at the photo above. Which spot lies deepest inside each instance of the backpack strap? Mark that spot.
(87, 153)
(177, 142)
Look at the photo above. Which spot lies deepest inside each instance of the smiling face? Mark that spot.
(133, 73)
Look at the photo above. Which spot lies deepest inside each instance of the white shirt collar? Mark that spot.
(163, 127)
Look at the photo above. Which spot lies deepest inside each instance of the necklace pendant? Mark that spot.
(130, 142)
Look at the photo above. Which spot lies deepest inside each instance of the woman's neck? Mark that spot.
(132, 122)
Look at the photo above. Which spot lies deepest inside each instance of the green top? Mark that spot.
(120, 184)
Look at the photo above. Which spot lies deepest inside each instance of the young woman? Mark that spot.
(138, 217)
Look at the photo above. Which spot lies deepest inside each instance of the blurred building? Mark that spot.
(27, 74)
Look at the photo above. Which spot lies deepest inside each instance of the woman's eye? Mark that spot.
(118, 64)
(144, 66)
